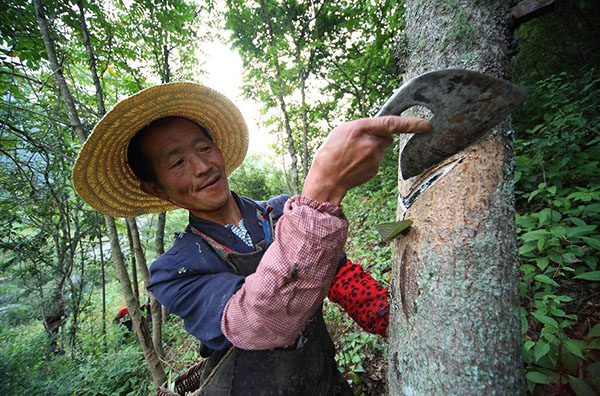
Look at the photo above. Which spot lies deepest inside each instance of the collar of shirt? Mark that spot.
(225, 235)
(241, 232)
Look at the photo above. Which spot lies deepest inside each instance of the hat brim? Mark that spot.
(101, 174)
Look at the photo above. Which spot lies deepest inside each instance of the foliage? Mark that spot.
(563, 40)
(558, 202)
(315, 64)
(339, 54)
(257, 179)
(119, 369)
(50, 241)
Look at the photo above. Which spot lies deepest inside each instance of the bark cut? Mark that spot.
(454, 326)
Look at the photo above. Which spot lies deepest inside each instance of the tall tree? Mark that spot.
(139, 323)
(455, 327)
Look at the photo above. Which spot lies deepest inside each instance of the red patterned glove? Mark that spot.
(362, 297)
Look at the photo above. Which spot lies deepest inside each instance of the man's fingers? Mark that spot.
(387, 125)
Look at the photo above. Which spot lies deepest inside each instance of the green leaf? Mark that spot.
(526, 248)
(570, 258)
(389, 231)
(534, 235)
(594, 370)
(595, 331)
(554, 256)
(541, 349)
(542, 263)
(594, 344)
(580, 387)
(592, 241)
(545, 279)
(537, 377)
(524, 322)
(545, 319)
(528, 345)
(591, 276)
(580, 230)
(575, 347)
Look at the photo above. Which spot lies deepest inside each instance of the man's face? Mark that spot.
(189, 167)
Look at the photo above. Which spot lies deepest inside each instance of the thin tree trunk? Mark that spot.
(134, 278)
(103, 274)
(159, 241)
(282, 104)
(454, 326)
(57, 70)
(304, 128)
(160, 249)
(139, 325)
(162, 221)
(167, 76)
(92, 59)
(299, 35)
(155, 308)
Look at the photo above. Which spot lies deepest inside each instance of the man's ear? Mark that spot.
(154, 189)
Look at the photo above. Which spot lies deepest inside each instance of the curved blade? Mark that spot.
(464, 104)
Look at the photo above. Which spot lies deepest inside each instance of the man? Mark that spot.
(247, 277)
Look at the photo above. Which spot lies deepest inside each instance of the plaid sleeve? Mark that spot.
(275, 303)
(362, 297)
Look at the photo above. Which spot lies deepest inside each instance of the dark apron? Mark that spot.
(306, 368)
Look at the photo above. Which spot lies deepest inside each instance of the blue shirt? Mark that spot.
(192, 282)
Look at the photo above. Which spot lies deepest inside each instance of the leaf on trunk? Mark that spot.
(393, 230)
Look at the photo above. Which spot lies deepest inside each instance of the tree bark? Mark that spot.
(154, 305)
(454, 325)
(159, 241)
(160, 249)
(134, 277)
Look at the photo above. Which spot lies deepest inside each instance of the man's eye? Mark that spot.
(204, 149)
(177, 164)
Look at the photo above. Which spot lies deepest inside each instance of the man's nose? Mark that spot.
(200, 165)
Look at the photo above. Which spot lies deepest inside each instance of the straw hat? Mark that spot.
(101, 174)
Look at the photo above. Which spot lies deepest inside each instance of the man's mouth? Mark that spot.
(212, 180)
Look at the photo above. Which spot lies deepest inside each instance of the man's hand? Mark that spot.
(351, 154)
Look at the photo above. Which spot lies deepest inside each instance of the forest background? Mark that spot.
(311, 65)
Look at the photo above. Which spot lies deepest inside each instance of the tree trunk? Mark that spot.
(134, 278)
(92, 59)
(454, 326)
(139, 325)
(154, 305)
(57, 70)
(103, 274)
(159, 243)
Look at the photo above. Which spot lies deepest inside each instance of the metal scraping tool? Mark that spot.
(464, 103)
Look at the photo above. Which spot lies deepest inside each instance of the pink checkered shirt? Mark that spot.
(272, 307)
